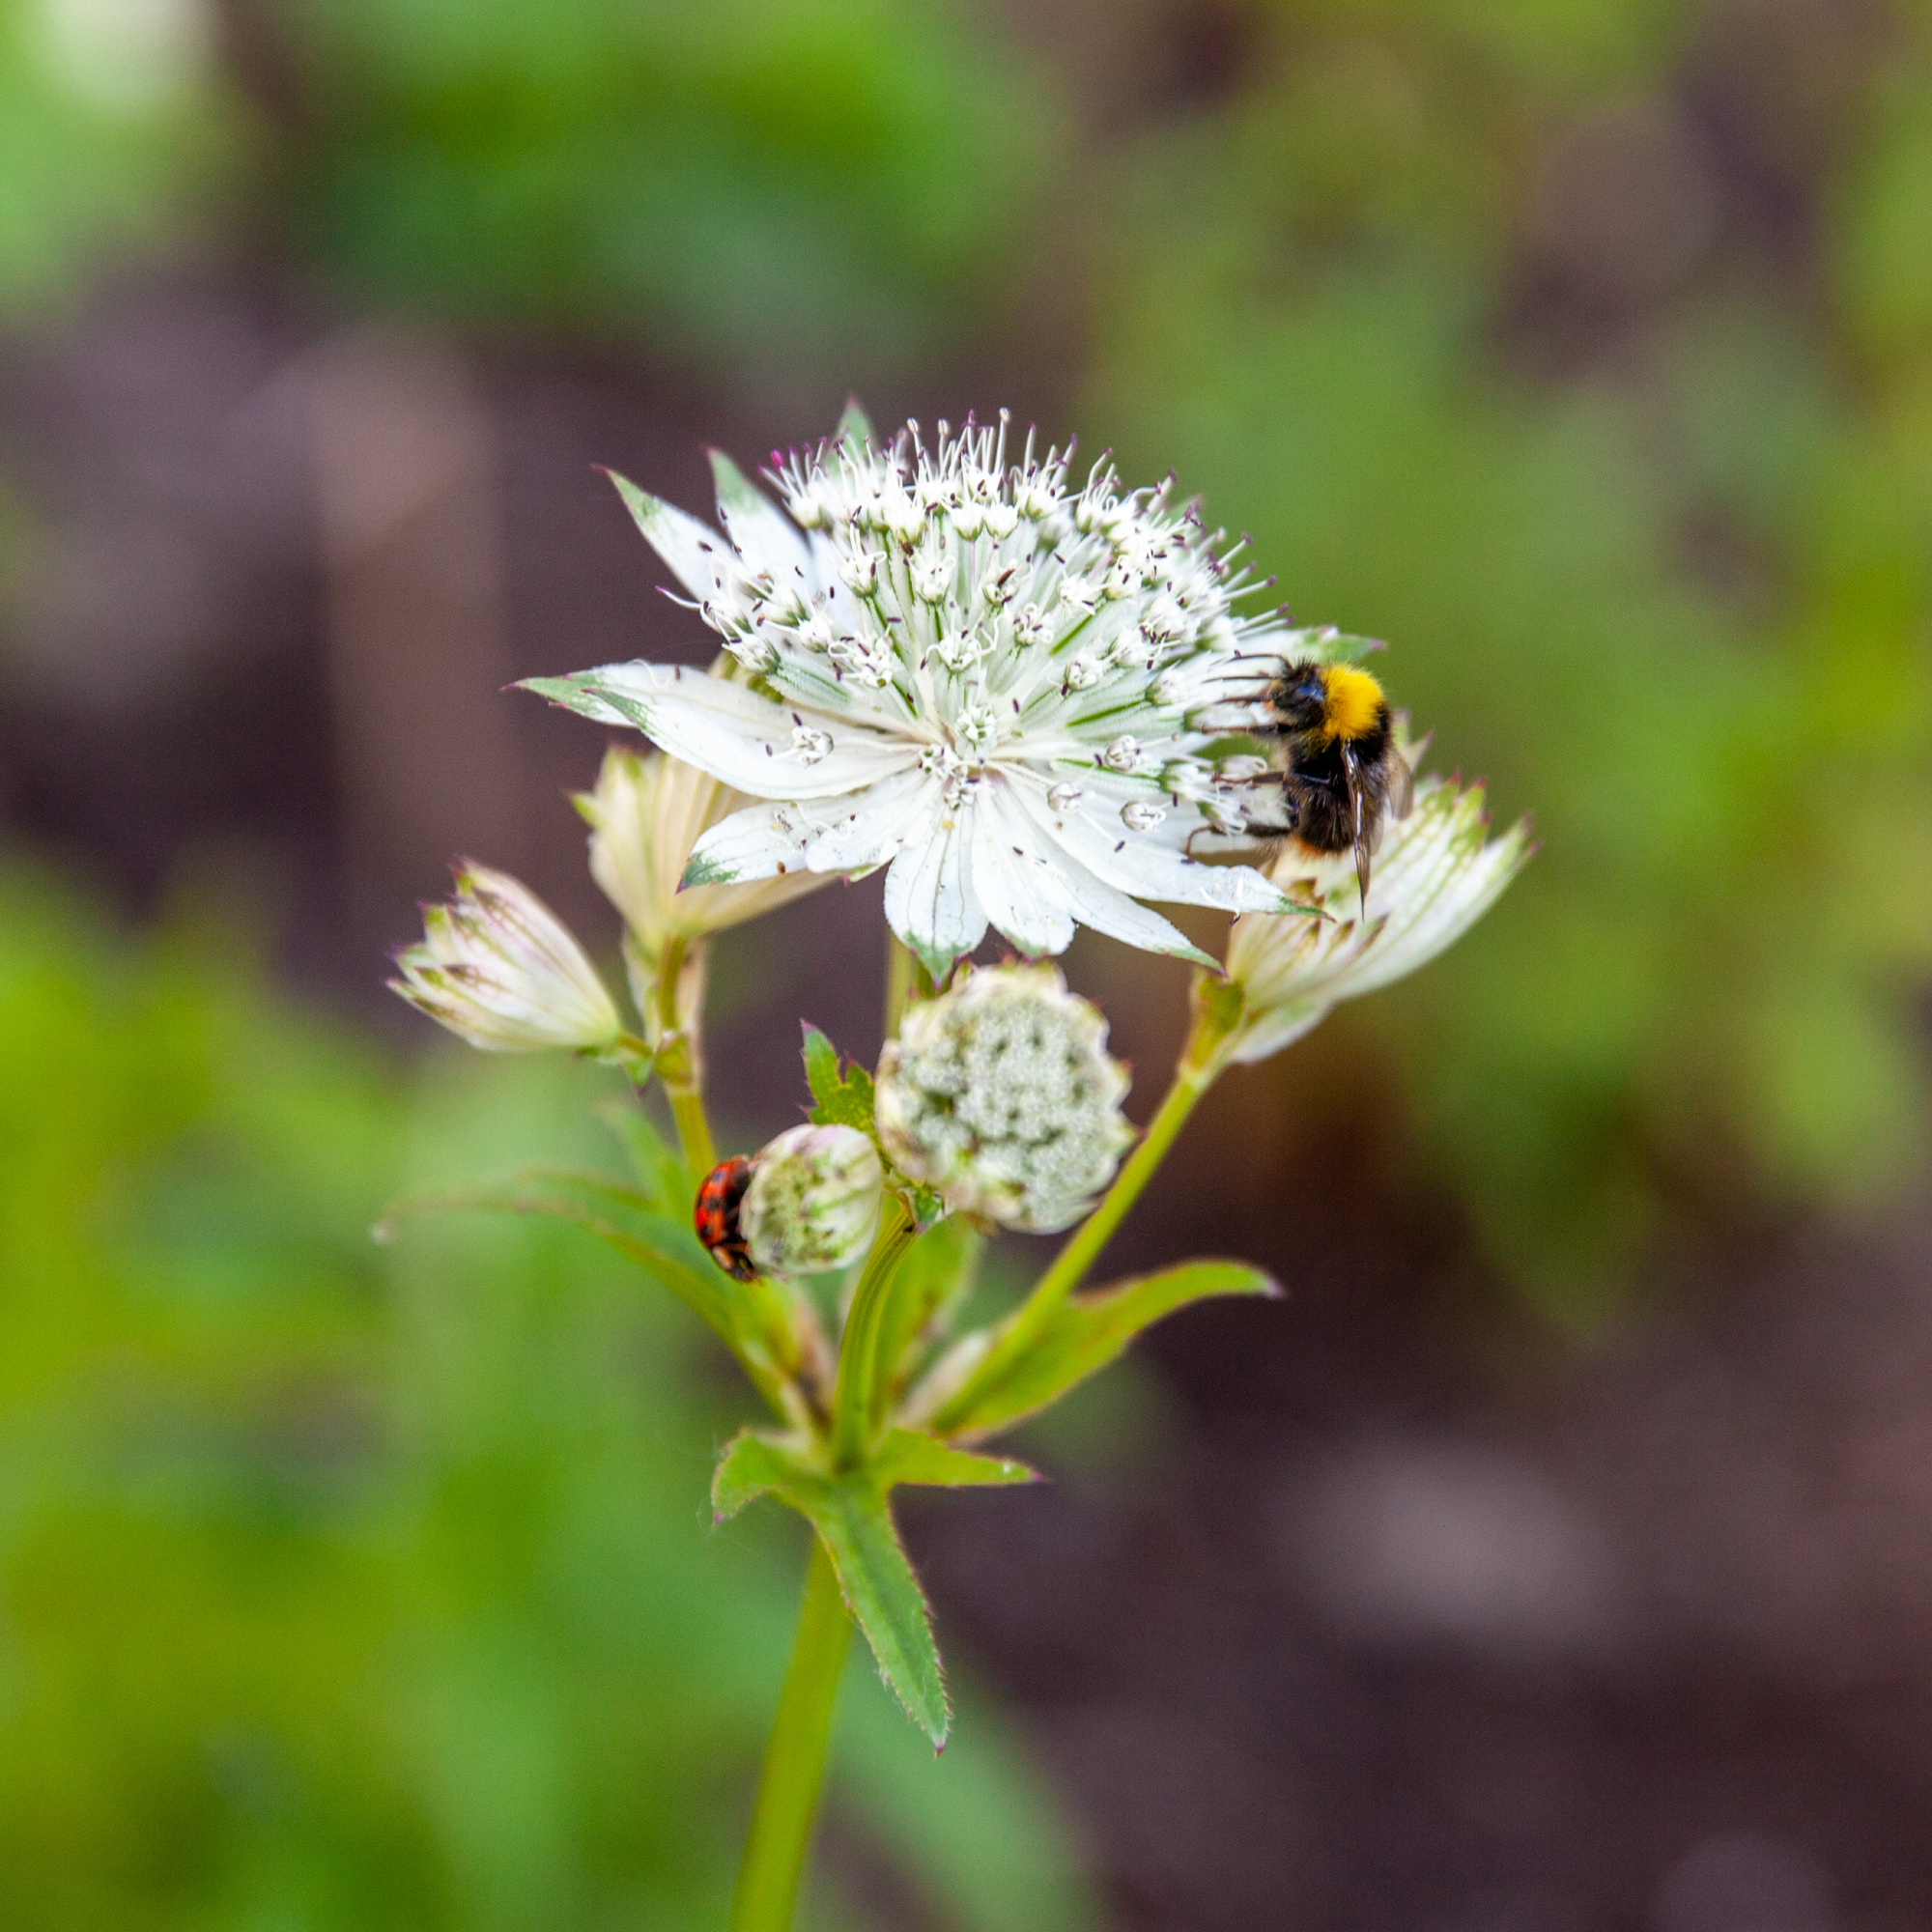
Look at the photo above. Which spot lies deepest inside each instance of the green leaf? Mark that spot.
(851, 1516)
(1082, 1335)
(856, 1525)
(855, 427)
(844, 1095)
(908, 1455)
(754, 1465)
(662, 1180)
(1343, 647)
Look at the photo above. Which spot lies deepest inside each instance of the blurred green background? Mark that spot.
(1581, 350)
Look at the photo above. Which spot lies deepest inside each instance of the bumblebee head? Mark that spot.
(1300, 696)
(1333, 700)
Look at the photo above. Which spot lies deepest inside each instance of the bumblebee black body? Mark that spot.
(1342, 773)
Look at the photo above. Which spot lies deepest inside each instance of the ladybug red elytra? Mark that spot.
(716, 1218)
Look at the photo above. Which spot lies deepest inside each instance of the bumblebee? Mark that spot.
(1342, 771)
(719, 1195)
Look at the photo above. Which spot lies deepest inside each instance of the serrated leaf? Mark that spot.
(844, 1092)
(855, 1524)
(754, 1465)
(821, 1064)
(1084, 1334)
(662, 1180)
(908, 1455)
(1346, 646)
(851, 1517)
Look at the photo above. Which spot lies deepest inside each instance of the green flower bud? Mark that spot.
(1001, 1094)
(812, 1203)
(496, 966)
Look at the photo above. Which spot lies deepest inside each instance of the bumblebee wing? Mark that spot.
(1401, 784)
(1364, 830)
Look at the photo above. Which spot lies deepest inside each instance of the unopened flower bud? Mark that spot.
(498, 967)
(812, 1203)
(1438, 873)
(644, 816)
(1001, 1094)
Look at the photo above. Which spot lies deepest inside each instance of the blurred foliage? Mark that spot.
(113, 117)
(801, 184)
(1654, 552)
(350, 1587)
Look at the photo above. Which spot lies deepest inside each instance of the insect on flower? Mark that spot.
(720, 1196)
(1342, 771)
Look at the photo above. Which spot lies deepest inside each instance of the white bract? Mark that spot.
(971, 671)
(1436, 875)
(1001, 1094)
(812, 1202)
(498, 967)
(648, 812)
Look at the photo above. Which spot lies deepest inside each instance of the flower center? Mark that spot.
(950, 768)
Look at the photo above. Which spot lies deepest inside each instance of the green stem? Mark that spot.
(1200, 1065)
(1093, 1233)
(858, 1347)
(794, 1765)
(679, 1065)
(900, 967)
(693, 1130)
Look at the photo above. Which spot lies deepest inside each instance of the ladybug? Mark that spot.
(717, 1217)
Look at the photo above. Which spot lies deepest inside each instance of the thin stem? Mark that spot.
(858, 1347)
(1201, 1060)
(680, 1062)
(1081, 1252)
(1093, 1233)
(794, 1768)
(693, 1130)
(900, 967)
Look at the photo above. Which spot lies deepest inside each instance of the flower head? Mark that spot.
(812, 1202)
(1436, 875)
(1001, 1094)
(646, 813)
(498, 967)
(971, 671)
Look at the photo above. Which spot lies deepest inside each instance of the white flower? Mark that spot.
(999, 1094)
(498, 967)
(646, 815)
(1436, 875)
(916, 708)
(812, 1202)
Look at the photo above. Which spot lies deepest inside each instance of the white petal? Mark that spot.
(881, 820)
(1471, 886)
(759, 842)
(730, 732)
(1098, 905)
(1148, 870)
(1016, 883)
(1095, 903)
(699, 558)
(764, 535)
(852, 833)
(1281, 1027)
(930, 898)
